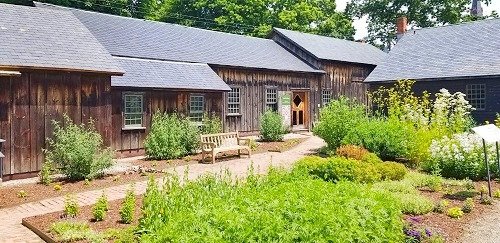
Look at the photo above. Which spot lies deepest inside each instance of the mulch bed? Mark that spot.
(9, 196)
(112, 220)
(452, 229)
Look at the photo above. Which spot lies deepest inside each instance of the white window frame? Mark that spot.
(196, 116)
(272, 98)
(139, 115)
(326, 96)
(476, 95)
(234, 101)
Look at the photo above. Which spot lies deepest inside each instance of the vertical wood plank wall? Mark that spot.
(29, 104)
(346, 79)
(131, 142)
(253, 83)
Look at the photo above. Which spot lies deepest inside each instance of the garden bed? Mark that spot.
(453, 229)
(41, 224)
(10, 196)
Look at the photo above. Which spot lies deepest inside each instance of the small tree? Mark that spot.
(271, 127)
(78, 150)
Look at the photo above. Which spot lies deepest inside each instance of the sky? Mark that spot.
(360, 24)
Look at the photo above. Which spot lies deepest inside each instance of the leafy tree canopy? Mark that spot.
(249, 17)
(382, 15)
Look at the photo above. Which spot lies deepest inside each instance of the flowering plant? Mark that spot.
(459, 156)
(416, 234)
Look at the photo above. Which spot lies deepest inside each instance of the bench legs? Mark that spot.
(214, 155)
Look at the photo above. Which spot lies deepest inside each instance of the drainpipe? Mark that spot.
(1, 160)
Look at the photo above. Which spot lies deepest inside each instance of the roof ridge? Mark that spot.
(322, 36)
(460, 23)
(150, 21)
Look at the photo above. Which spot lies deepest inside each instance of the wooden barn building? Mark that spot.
(50, 64)
(461, 58)
(119, 71)
(346, 63)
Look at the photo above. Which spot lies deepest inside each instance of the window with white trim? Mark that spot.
(133, 110)
(196, 107)
(233, 101)
(326, 96)
(476, 95)
(272, 99)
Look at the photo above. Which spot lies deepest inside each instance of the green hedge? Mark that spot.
(277, 208)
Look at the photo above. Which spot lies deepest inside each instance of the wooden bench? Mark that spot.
(221, 142)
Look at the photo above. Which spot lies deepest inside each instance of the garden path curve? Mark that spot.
(11, 229)
(485, 229)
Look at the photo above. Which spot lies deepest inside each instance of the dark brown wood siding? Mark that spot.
(346, 79)
(131, 142)
(253, 83)
(492, 99)
(29, 104)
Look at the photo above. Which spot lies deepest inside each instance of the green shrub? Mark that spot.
(402, 187)
(280, 207)
(271, 126)
(22, 194)
(441, 206)
(388, 138)
(434, 183)
(71, 208)
(391, 171)
(127, 209)
(100, 208)
(78, 150)
(190, 136)
(455, 212)
(68, 231)
(468, 205)
(211, 124)
(170, 137)
(415, 204)
(371, 158)
(496, 194)
(486, 200)
(337, 119)
(352, 152)
(45, 174)
(338, 169)
(469, 185)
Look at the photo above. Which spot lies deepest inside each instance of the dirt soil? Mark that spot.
(453, 229)
(111, 221)
(11, 196)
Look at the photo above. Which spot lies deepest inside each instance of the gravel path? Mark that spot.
(485, 229)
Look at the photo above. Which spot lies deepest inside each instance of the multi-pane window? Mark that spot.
(272, 99)
(476, 95)
(326, 96)
(133, 104)
(233, 101)
(196, 107)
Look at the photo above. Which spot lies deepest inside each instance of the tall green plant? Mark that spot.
(165, 139)
(337, 119)
(78, 150)
(211, 124)
(271, 126)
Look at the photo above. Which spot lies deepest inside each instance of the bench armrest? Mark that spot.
(244, 139)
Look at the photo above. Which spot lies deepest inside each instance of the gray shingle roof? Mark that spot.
(47, 39)
(455, 51)
(124, 36)
(166, 74)
(333, 49)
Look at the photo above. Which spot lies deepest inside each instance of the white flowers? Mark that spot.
(459, 147)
